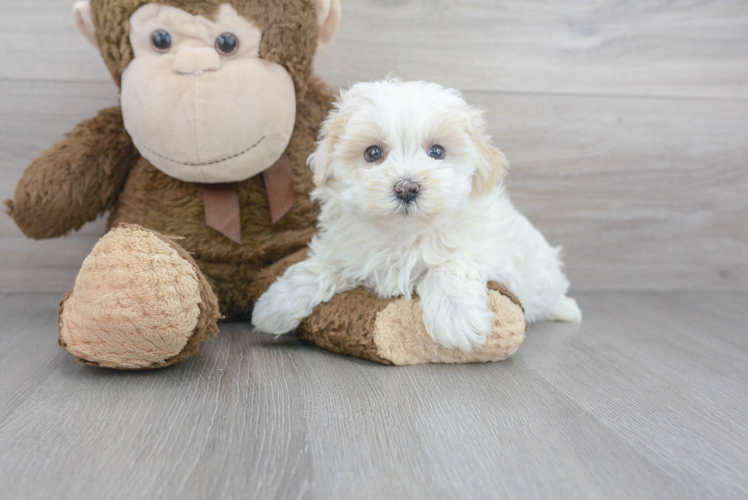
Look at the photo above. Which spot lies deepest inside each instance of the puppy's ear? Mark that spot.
(491, 163)
(320, 161)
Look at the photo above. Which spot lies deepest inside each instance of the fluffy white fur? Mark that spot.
(460, 232)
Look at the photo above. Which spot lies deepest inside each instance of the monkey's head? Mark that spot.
(209, 87)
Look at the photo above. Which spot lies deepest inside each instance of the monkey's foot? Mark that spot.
(139, 301)
(359, 323)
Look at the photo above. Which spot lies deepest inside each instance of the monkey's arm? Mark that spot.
(76, 180)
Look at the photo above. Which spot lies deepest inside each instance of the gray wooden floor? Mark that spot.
(647, 399)
(625, 124)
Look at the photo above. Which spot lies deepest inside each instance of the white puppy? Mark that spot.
(411, 199)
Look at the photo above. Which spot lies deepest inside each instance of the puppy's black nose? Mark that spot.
(407, 190)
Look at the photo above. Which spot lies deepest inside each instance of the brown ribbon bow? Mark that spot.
(221, 201)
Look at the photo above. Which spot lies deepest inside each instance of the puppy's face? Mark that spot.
(404, 153)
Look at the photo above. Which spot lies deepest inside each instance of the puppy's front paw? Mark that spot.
(459, 323)
(278, 312)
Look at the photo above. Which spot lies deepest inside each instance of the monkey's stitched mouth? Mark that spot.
(210, 162)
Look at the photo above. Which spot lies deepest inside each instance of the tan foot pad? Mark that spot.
(392, 332)
(138, 302)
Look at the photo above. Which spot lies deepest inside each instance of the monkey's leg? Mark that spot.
(140, 301)
(391, 331)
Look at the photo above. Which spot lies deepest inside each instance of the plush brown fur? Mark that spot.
(76, 180)
(345, 324)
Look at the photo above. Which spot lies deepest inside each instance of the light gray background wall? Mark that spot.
(626, 123)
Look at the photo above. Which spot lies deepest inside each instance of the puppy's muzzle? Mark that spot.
(407, 191)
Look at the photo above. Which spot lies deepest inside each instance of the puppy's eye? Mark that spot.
(437, 152)
(161, 40)
(373, 154)
(227, 44)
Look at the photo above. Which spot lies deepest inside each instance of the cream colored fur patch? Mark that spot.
(135, 302)
(401, 337)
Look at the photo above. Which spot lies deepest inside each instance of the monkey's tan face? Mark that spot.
(198, 101)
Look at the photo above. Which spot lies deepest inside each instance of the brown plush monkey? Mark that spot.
(203, 169)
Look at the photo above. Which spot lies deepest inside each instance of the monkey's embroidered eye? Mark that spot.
(437, 152)
(161, 41)
(373, 154)
(227, 44)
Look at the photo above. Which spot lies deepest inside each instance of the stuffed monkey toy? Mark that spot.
(203, 170)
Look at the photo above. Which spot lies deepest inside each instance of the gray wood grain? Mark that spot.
(646, 399)
(644, 194)
(686, 48)
(625, 124)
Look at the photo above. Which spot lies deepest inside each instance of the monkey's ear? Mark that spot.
(84, 19)
(328, 15)
(491, 163)
(320, 161)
